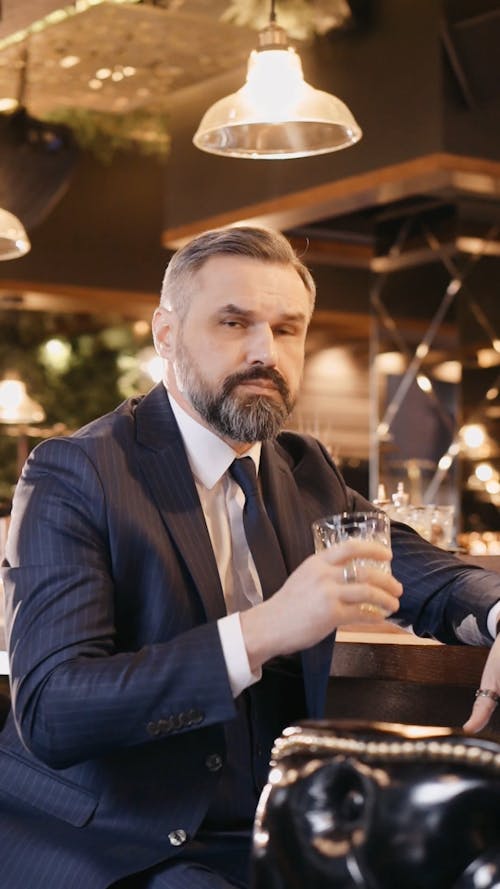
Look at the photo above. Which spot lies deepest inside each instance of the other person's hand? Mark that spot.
(484, 703)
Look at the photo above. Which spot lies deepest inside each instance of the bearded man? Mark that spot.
(167, 615)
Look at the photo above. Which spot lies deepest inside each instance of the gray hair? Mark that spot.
(262, 244)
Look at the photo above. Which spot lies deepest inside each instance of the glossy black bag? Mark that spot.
(379, 806)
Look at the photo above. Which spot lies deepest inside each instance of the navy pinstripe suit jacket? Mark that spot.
(119, 686)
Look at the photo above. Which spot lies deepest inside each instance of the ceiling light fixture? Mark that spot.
(8, 103)
(276, 114)
(14, 241)
(16, 406)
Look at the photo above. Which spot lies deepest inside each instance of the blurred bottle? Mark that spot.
(400, 498)
(382, 501)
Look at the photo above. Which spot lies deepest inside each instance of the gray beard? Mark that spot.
(247, 418)
(255, 419)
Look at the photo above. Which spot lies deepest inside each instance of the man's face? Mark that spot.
(235, 361)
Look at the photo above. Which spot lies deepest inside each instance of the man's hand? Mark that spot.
(484, 706)
(316, 599)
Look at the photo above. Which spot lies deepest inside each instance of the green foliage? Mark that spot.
(88, 385)
(105, 133)
(301, 19)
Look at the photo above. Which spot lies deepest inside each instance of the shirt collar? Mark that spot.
(209, 456)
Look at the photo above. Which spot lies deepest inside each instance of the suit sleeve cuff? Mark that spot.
(235, 654)
(493, 618)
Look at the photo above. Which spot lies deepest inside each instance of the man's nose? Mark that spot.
(261, 346)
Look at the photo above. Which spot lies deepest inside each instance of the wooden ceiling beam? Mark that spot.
(46, 297)
(433, 173)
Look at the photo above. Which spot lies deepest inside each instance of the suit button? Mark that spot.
(213, 762)
(177, 837)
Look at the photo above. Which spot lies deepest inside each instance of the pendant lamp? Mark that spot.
(276, 114)
(16, 406)
(14, 241)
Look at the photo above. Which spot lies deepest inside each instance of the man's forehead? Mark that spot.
(245, 273)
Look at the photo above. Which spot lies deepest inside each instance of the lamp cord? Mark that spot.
(272, 14)
(23, 76)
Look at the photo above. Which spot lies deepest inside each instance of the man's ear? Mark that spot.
(163, 327)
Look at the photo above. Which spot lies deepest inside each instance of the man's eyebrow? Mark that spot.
(232, 309)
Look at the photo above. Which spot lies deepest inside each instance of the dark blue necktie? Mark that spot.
(261, 536)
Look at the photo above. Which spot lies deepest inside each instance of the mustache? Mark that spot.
(257, 373)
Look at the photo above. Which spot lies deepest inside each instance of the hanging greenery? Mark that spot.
(105, 133)
(301, 19)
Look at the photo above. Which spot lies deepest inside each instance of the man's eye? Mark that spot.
(231, 322)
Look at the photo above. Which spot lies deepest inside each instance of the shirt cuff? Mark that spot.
(493, 618)
(235, 654)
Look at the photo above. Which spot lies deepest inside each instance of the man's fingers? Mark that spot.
(373, 610)
(482, 711)
(369, 600)
(355, 548)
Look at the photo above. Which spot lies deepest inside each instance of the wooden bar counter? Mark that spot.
(391, 675)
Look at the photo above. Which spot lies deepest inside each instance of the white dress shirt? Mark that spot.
(222, 501)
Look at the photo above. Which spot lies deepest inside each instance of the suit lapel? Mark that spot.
(285, 507)
(166, 469)
(292, 521)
